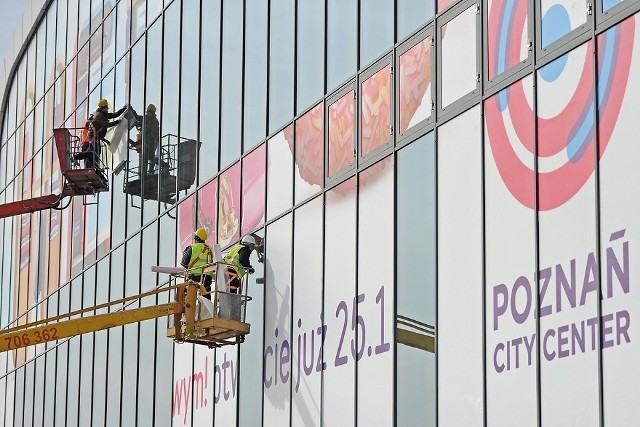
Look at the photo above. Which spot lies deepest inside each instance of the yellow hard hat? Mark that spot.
(151, 108)
(103, 103)
(201, 233)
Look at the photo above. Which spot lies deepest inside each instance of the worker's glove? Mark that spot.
(251, 270)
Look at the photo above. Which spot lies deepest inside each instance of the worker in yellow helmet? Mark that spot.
(99, 124)
(197, 255)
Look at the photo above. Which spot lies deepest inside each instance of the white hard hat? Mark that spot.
(248, 240)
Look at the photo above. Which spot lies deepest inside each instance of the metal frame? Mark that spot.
(365, 160)
(471, 98)
(342, 174)
(515, 72)
(565, 43)
(615, 14)
(425, 125)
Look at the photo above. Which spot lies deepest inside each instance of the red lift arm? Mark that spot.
(78, 181)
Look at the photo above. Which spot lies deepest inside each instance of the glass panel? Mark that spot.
(138, 18)
(208, 210)
(307, 314)
(278, 354)
(250, 375)
(71, 28)
(101, 340)
(376, 28)
(209, 91)
(341, 133)
(510, 241)
(189, 74)
(608, 4)
(255, 79)
(47, 54)
(18, 408)
(342, 21)
(229, 206)
(310, 54)
(559, 18)
(231, 113)
(618, 227)
(459, 48)
(416, 296)
(415, 84)
(371, 310)
(62, 361)
(84, 20)
(309, 153)
(186, 221)
(60, 36)
(413, 14)
(503, 49)
(375, 111)
(147, 329)
(567, 238)
(205, 378)
(28, 393)
(123, 25)
(279, 174)
(253, 189)
(338, 387)
(460, 289)
(154, 7)
(87, 350)
(443, 4)
(114, 361)
(281, 63)
(130, 366)
(40, 60)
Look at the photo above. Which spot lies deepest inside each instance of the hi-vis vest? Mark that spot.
(200, 254)
(86, 134)
(233, 258)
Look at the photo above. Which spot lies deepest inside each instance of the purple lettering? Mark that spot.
(544, 276)
(217, 378)
(284, 360)
(499, 308)
(623, 329)
(521, 282)
(577, 336)
(321, 365)
(516, 344)
(498, 367)
(529, 346)
(590, 282)
(341, 360)
(606, 330)
(613, 265)
(225, 365)
(563, 340)
(563, 284)
(549, 356)
(267, 382)
(592, 323)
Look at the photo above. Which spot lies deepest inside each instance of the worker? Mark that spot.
(86, 139)
(150, 138)
(100, 124)
(147, 139)
(196, 255)
(238, 262)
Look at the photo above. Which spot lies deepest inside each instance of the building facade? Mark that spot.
(445, 190)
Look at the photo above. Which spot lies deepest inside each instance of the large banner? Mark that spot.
(582, 292)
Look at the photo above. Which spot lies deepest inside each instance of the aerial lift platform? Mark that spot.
(195, 319)
(78, 181)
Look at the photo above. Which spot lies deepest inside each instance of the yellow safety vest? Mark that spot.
(233, 259)
(200, 254)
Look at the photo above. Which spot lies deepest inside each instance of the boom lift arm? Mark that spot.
(190, 323)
